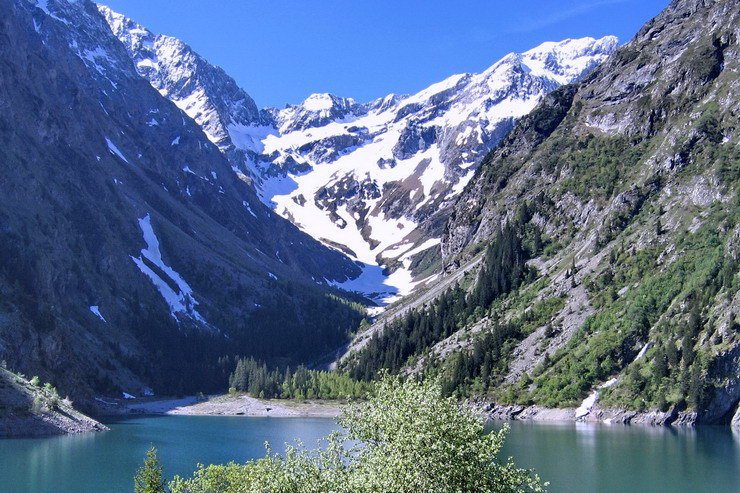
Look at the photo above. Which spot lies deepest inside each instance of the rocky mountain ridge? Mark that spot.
(131, 256)
(362, 177)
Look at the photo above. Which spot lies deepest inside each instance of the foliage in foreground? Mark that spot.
(407, 438)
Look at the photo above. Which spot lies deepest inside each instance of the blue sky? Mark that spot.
(281, 51)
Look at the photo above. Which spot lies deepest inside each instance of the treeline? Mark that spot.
(254, 377)
(504, 270)
(475, 369)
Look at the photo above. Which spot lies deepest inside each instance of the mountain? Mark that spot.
(376, 172)
(373, 180)
(131, 255)
(593, 257)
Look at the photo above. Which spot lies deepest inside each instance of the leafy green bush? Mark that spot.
(38, 405)
(407, 438)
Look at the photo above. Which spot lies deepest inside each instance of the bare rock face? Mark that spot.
(622, 161)
(639, 93)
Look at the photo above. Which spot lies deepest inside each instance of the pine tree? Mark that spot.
(660, 365)
(149, 478)
(697, 387)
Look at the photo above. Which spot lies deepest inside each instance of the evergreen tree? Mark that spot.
(149, 478)
(697, 388)
(660, 365)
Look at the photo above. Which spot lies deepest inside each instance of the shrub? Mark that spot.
(407, 438)
(38, 405)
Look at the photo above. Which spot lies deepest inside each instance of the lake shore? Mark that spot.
(224, 405)
(596, 414)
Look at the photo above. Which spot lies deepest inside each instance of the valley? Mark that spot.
(553, 239)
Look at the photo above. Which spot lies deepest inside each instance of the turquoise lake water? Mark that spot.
(573, 457)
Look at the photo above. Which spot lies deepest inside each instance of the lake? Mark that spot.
(574, 457)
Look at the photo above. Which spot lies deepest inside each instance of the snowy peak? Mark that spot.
(325, 102)
(569, 60)
(226, 113)
(372, 180)
(315, 111)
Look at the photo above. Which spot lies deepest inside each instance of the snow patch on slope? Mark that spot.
(177, 293)
(96, 311)
(114, 150)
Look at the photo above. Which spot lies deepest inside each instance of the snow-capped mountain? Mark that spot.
(375, 172)
(374, 180)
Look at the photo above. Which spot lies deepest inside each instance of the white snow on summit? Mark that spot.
(424, 147)
(362, 177)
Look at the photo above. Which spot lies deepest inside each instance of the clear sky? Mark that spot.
(280, 51)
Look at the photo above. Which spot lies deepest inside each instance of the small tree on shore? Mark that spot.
(149, 478)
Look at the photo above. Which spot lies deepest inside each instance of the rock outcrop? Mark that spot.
(28, 409)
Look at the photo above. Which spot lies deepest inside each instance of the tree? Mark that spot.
(697, 387)
(407, 438)
(149, 478)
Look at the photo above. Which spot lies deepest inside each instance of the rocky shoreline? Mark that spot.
(48, 424)
(28, 409)
(606, 415)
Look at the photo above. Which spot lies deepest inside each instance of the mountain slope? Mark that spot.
(361, 178)
(606, 225)
(131, 256)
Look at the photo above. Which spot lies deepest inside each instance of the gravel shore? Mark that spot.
(229, 405)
